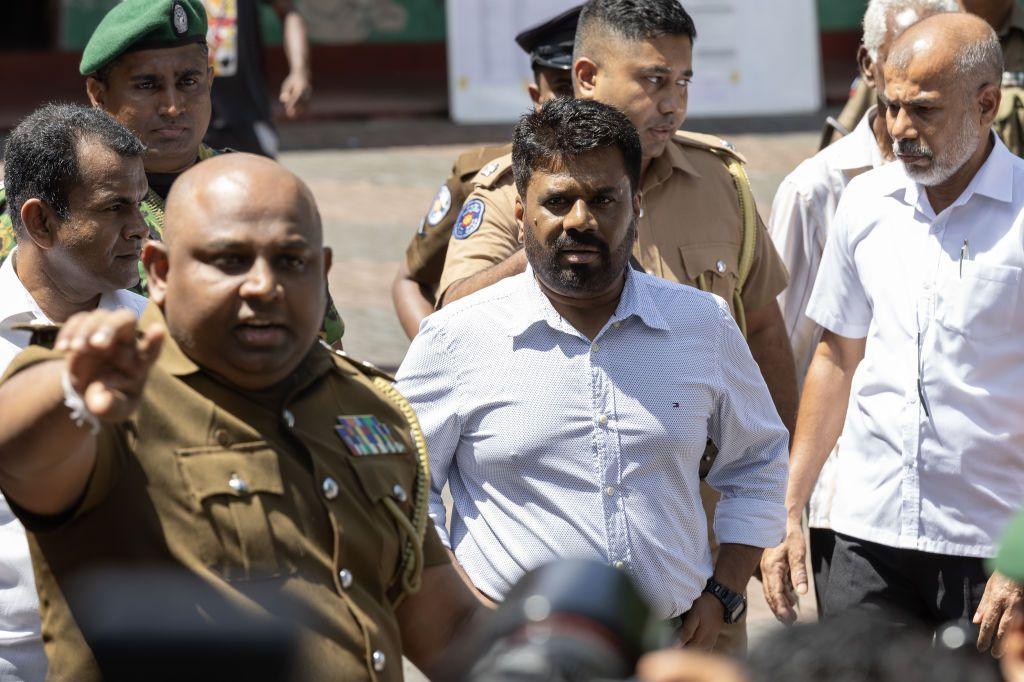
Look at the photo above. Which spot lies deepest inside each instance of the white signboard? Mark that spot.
(752, 57)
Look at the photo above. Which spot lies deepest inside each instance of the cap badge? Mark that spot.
(179, 19)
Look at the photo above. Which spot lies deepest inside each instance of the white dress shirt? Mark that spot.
(933, 445)
(555, 446)
(799, 224)
(21, 647)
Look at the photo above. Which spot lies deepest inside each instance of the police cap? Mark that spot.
(550, 44)
(143, 25)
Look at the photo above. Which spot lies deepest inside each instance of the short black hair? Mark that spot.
(631, 19)
(41, 155)
(565, 128)
(863, 645)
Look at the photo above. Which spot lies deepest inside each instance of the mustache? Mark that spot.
(910, 148)
(572, 239)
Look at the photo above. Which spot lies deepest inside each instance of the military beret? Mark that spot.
(1010, 559)
(143, 25)
(550, 44)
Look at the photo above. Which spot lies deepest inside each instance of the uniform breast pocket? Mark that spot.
(982, 303)
(712, 267)
(387, 480)
(234, 491)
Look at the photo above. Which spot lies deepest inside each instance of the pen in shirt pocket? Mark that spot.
(965, 254)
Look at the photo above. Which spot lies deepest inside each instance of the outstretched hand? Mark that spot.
(108, 361)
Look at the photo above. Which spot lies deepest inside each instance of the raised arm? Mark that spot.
(45, 456)
(297, 88)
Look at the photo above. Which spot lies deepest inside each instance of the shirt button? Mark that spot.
(399, 493)
(330, 488)
(619, 565)
(595, 347)
(379, 660)
(616, 324)
(289, 418)
(345, 576)
(720, 266)
(222, 437)
(609, 491)
(238, 484)
(602, 420)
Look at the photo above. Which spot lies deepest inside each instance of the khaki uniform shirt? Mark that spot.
(1011, 38)
(691, 225)
(225, 485)
(424, 257)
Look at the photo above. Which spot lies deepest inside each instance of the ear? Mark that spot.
(40, 221)
(584, 77)
(328, 260)
(520, 212)
(155, 259)
(638, 204)
(97, 91)
(866, 65)
(988, 99)
(534, 91)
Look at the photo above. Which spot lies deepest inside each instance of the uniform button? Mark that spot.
(330, 487)
(238, 484)
(379, 660)
(399, 492)
(289, 418)
(720, 266)
(602, 420)
(619, 565)
(345, 576)
(609, 491)
(222, 437)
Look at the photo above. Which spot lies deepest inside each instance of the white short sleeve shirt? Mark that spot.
(932, 451)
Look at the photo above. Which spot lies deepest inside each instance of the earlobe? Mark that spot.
(96, 91)
(866, 65)
(154, 259)
(328, 259)
(584, 73)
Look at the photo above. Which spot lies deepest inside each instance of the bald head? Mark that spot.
(239, 188)
(960, 46)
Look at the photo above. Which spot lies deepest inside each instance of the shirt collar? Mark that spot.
(16, 303)
(662, 167)
(994, 179)
(635, 301)
(861, 151)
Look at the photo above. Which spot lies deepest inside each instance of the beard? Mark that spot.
(943, 166)
(575, 279)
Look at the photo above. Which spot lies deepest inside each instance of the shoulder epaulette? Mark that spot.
(471, 162)
(368, 368)
(711, 143)
(42, 333)
(494, 171)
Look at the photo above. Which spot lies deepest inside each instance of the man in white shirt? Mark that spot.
(74, 181)
(919, 296)
(799, 224)
(569, 406)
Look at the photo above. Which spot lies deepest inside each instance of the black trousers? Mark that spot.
(822, 544)
(911, 586)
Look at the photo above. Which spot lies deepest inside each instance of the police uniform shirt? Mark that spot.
(424, 257)
(238, 492)
(691, 229)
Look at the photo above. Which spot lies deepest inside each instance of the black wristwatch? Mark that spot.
(735, 603)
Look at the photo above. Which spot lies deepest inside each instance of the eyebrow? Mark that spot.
(664, 70)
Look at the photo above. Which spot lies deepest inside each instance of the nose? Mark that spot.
(261, 282)
(900, 125)
(673, 101)
(172, 103)
(579, 218)
(136, 228)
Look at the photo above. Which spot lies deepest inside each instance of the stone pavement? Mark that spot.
(372, 200)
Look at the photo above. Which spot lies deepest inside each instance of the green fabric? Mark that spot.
(1010, 559)
(143, 24)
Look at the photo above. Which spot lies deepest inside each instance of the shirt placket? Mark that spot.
(608, 459)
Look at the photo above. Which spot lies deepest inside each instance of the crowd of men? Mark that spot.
(613, 358)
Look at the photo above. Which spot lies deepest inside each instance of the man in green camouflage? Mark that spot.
(147, 65)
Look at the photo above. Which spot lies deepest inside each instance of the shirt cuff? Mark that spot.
(748, 521)
(837, 325)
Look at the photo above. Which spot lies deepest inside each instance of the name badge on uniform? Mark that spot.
(366, 435)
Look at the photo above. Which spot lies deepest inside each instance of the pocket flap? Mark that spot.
(719, 258)
(235, 472)
(380, 474)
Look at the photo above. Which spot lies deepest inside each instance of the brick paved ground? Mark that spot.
(372, 200)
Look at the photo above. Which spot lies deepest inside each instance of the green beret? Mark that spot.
(143, 25)
(1010, 559)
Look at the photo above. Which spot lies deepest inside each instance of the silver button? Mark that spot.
(330, 488)
(238, 484)
(602, 420)
(609, 491)
(616, 324)
(399, 492)
(720, 266)
(345, 576)
(289, 418)
(379, 660)
(619, 565)
(595, 347)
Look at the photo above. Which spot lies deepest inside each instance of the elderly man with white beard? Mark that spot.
(919, 296)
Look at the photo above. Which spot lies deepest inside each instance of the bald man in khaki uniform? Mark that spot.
(699, 225)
